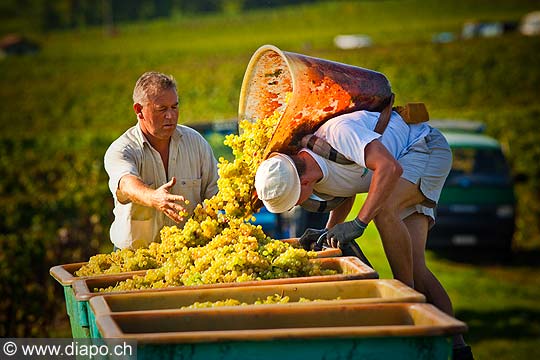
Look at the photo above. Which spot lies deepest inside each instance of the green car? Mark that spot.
(477, 204)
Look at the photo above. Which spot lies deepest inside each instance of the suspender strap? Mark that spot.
(317, 206)
(384, 116)
(327, 151)
(324, 149)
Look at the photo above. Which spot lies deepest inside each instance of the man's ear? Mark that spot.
(138, 110)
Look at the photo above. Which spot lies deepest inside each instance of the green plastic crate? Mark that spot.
(64, 274)
(76, 310)
(356, 331)
(328, 292)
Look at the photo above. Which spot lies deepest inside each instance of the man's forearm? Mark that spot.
(339, 214)
(382, 184)
(386, 173)
(133, 189)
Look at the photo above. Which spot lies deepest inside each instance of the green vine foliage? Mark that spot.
(53, 190)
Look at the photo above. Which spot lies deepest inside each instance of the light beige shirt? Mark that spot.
(191, 161)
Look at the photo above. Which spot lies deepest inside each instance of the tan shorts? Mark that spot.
(427, 163)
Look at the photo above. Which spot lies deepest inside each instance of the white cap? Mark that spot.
(277, 183)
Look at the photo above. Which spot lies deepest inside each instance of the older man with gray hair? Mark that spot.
(158, 170)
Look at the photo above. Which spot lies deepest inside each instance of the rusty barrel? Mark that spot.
(305, 91)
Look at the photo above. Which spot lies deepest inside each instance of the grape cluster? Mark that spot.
(217, 244)
(270, 299)
(123, 261)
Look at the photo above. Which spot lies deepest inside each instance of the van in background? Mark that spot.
(477, 204)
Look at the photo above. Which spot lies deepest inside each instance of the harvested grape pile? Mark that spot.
(217, 244)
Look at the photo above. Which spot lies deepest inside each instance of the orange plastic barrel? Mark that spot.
(305, 91)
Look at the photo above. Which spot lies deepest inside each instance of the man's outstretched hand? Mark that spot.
(168, 203)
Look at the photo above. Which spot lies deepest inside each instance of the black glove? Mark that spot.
(309, 237)
(341, 235)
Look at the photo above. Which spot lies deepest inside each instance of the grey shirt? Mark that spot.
(191, 161)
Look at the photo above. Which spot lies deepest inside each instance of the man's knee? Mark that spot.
(391, 208)
(405, 195)
(388, 213)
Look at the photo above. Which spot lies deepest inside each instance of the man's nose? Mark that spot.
(169, 114)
